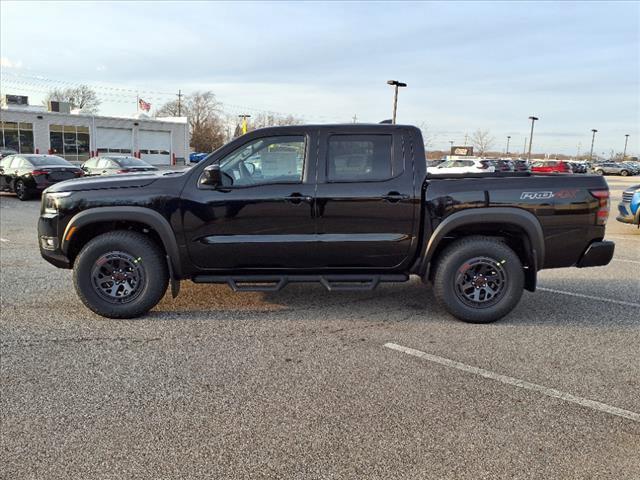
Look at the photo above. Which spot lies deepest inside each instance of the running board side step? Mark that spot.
(273, 283)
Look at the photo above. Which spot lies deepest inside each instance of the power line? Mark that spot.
(115, 94)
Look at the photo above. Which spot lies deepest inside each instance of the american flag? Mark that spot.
(144, 105)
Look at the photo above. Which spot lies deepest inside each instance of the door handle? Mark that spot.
(297, 198)
(394, 197)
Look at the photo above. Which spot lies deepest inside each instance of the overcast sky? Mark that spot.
(469, 65)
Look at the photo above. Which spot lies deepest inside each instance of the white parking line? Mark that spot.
(590, 297)
(4, 240)
(625, 260)
(550, 392)
(616, 237)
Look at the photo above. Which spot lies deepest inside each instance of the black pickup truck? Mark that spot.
(349, 206)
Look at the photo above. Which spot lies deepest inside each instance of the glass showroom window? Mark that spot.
(70, 142)
(18, 136)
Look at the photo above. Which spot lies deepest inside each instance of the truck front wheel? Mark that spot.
(478, 279)
(120, 274)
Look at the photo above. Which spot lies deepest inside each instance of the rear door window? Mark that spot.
(360, 158)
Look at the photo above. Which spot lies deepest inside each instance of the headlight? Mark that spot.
(50, 201)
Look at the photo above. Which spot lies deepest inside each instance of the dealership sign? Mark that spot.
(462, 151)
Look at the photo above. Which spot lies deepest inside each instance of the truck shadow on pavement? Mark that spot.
(413, 301)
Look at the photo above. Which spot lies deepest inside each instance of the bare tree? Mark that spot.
(82, 97)
(428, 137)
(208, 129)
(268, 119)
(482, 141)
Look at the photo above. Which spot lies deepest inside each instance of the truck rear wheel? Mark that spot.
(478, 279)
(120, 274)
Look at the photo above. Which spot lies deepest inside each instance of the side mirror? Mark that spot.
(212, 176)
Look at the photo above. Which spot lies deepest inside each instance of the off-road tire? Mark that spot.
(150, 264)
(455, 259)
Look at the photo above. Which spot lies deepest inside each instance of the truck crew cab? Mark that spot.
(349, 206)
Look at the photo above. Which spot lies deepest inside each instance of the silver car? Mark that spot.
(612, 168)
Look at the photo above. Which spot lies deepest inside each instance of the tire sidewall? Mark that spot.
(21, 193)
(152, 263)
(456, 256)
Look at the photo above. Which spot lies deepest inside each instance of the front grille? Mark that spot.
(626, 196)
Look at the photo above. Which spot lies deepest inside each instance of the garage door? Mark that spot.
(114, 140)
(155, 146)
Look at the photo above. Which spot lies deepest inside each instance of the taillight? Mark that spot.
(35, 173)
(603, 209)
(123, 171)
(79, 173)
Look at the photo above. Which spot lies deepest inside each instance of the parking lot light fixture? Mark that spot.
(396, 84)
(508, 138)
(533, 119)
(624, 153)
(593, 138)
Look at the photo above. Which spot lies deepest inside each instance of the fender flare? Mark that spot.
(508, 215)
(142, 215)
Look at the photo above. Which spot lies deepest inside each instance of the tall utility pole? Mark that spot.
(508, 138)
(451, 149)
(624, 154)
(179, 103)
(465, 138)
(396, 84)
(355, 118)
(524, 149)
(593, 139)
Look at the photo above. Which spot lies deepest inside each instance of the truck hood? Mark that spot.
(106, 182)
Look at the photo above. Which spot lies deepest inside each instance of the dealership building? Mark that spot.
(79, 136)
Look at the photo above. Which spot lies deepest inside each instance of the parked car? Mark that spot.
(521, 165)
(502, 165)
(634, 165)
(471, 165)
(629, 207)
(352, 212)
(612, 168)
(551, 166)
(195, 157)
(5, 152)
(26, 175)
(579, 167)
(114, 164)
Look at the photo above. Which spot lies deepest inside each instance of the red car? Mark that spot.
(551, 166)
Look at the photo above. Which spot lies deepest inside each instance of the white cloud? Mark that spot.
(6, 63)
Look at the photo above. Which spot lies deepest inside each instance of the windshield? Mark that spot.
(38, 161)
(129, 162)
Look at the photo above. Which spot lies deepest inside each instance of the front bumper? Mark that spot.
(597, 254)
(625, 215)
(49, 242)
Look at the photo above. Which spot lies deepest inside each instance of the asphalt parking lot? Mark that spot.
(303, 383)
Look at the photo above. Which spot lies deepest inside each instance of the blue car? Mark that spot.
(629, 207)
(195, 157)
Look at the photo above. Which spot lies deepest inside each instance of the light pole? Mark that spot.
(593, 139)
(508, 138)
(533, 119)
(451, 149)
(626, 139)
(396, 84)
